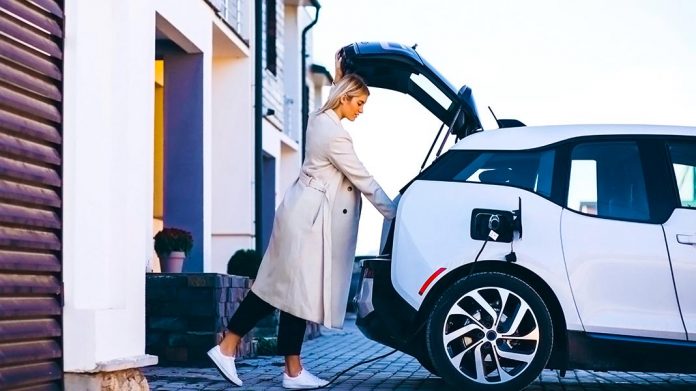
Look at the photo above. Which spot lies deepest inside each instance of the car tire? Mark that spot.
(489, 332)
(427, 365)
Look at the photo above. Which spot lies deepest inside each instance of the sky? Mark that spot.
(542, 62)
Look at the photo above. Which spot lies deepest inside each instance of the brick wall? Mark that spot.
(186, 314)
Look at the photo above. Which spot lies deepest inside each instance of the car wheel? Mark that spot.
(490, 331)
(428, 365)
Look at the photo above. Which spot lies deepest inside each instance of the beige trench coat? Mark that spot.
(307, 267)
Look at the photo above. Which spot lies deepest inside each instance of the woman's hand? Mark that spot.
(338, 73)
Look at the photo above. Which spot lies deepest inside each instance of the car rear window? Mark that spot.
(530, 170)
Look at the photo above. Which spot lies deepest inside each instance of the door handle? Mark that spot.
(686, 239)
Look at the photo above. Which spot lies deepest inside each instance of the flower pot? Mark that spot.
(174, 262)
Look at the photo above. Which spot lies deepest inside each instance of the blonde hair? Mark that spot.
(351, 85)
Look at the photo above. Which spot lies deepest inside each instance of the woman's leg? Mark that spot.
(291, 331)
(290, 336)
(250, 311)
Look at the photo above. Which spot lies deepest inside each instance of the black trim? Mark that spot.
(655, 175)
(605, 352)
(258, 127)
(663, 197)
(303, 76)
(393, 322)
(510, 123)
(318, 69)
(561, 175)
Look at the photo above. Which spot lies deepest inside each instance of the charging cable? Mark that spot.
(410, 339)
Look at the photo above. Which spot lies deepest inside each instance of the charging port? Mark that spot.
(483, 221)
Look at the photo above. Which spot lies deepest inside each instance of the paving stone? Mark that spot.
(338, 350)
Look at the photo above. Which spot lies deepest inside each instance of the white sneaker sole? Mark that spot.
(237, 382)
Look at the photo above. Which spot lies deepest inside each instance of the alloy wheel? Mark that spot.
(490, 335)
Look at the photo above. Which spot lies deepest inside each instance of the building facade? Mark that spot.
(120, 117)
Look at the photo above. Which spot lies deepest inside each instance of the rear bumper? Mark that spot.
(383, 316)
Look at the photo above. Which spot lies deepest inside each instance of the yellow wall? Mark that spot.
(159, 140)
(158, 190)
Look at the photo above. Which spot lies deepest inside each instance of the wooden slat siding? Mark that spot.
(28, 128)
(29, 217)
(42, 387)
(30, 35)
(27, 239)
(51, 6)
(30, 82)
(25, 330)
(20, 193)
(28, 307)
(28, 352)
(26, 172)
(34, 374)
(28, 284)
(29, 59)
(27, 104)
(31, 40)
(16, 261)
(273, 96)
(34, 15)
(24, 149)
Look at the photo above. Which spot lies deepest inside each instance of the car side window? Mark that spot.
(531, 170)
(683, 157)
(607, 180)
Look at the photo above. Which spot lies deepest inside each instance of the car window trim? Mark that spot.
(561, 171)
(670, 167)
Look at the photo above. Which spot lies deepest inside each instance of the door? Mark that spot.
(616, 257)
(31, 71)
(268, 201)
(680, 230)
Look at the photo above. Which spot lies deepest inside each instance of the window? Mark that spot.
(606, 180)
(528, 170)
(684, 163)
(426, 85)
(271, 35)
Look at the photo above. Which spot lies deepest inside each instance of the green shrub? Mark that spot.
(244, 263)
(267, 346)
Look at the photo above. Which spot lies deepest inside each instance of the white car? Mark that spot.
(524, 248)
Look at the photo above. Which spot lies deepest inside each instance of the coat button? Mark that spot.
(350, 188)
(345, 211)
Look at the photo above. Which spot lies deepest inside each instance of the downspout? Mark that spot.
(305, 92)
(258, 125)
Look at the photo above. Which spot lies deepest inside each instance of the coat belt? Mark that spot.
(312, 182)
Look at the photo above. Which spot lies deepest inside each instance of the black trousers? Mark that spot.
(252, 309)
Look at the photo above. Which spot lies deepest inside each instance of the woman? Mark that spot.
(306, 270)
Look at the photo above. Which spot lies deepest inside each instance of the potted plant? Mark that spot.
(172, 245)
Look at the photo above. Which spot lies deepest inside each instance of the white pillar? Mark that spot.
(107, 182)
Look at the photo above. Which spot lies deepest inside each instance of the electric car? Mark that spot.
(524, 248)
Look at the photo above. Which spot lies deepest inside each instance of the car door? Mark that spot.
(615, 252)
(680, 229)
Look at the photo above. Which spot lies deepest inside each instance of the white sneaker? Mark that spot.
(303, 380)
(224, 364)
